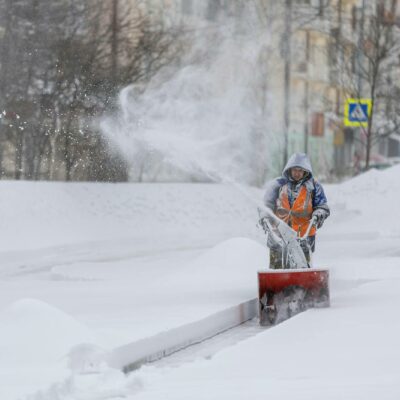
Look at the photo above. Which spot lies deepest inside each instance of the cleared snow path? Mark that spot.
(133, 355)
(209, 347)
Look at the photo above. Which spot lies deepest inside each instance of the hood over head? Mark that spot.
(299, 160)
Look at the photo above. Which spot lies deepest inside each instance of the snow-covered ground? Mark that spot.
(110, 264)
(88, 267)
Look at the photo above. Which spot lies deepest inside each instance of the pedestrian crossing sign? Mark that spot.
(357, 111)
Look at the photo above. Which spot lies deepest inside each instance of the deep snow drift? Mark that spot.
(106, 290)
(109, 264)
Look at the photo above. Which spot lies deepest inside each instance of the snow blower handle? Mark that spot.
(312, 222)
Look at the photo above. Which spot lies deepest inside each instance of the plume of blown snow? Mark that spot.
(208, 118)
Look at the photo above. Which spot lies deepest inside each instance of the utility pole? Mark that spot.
(287, 56)
(306, 94)
(360, 51)
(338, 53)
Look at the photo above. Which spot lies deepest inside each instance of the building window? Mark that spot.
(393, 148)
(354, 18)
(317, 124)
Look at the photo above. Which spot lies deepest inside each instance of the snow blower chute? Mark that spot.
(296, 286)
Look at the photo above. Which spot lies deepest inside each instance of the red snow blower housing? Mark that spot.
(296, 287)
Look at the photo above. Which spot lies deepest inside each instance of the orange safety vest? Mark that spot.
(299, 215)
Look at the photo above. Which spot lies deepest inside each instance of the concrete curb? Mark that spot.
(131, 356)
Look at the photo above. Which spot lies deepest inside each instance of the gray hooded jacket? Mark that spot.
(301, 160)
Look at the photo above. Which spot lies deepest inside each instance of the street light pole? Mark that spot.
(306, 94)
(360, 46)
(287, 57)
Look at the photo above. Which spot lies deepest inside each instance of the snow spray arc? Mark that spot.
(208, 119)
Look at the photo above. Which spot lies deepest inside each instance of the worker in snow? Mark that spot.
(295, 198)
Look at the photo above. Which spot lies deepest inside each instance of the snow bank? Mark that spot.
(44, 214)
(366, 204)
(106, 384)
(35, 339)
(38, 332)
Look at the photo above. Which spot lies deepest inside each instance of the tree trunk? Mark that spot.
(114, 41)
(374, 81)
(67, 151)
(5, 50)
(1, 160)
(19, 146)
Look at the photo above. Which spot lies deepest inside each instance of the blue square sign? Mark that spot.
(357, 111)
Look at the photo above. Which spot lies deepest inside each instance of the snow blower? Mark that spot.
(296, 286)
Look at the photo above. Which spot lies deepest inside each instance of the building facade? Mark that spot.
(310, 85)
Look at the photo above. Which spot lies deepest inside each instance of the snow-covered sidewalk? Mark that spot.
(112, 293)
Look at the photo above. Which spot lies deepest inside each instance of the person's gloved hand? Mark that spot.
(319, 216)
(274, 242)
(264, 216)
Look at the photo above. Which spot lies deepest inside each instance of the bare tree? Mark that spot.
(368, 65)
(62, 66)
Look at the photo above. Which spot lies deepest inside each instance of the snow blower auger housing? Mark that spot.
(296, 287)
